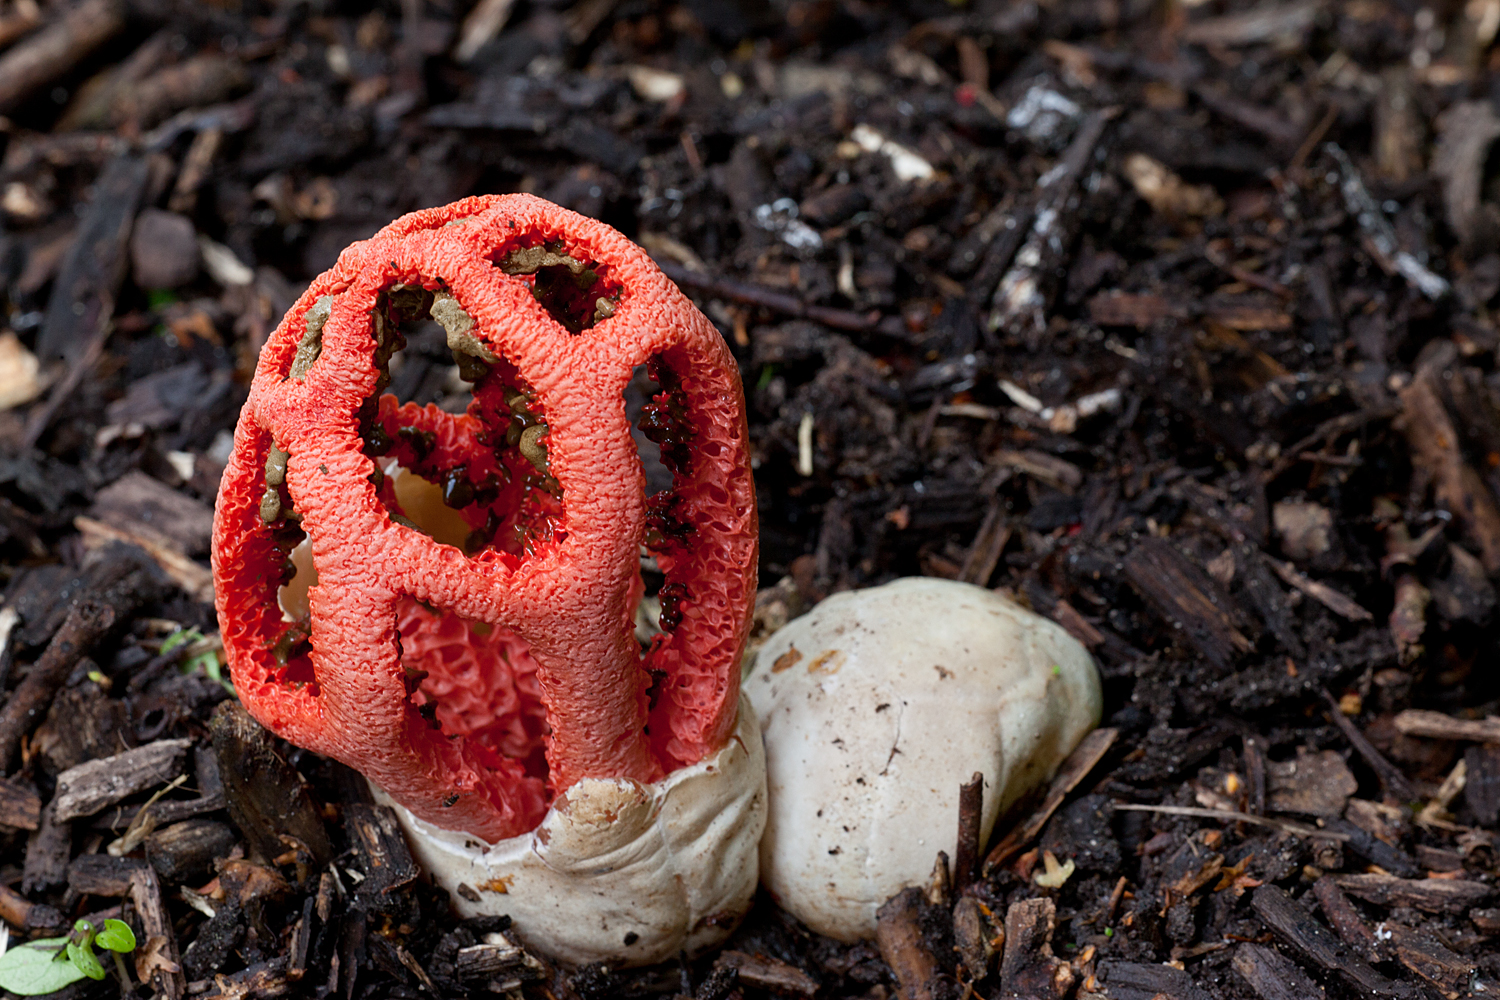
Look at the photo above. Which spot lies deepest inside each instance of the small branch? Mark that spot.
(1286, 826)
(759, 295)
(970, 820)
(1391, 778)
(86, 624)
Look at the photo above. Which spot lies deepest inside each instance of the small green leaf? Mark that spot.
(116, 936)
(182, 637)
(83, 958)
(29, 969)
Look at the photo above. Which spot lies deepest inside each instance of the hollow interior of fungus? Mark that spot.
(479, 480)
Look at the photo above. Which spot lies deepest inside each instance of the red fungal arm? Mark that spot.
(519, 635)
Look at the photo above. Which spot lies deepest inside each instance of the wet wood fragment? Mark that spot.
(1486, 920)
(381, 851)
(1334, 600)
(1344, 918)
(1317, 944)
(210, 797)
(1390, 776)
(186, 851)
(144, 505)
(1379, 235)
(1272, 975)
(972, 937)
(1255, 775)
(103, 875)
(87, 623)
(899, 934)
(1144, 981)
(57, 48)
(157, 960)
(47, 852)
(83, 296)
(266, 796)
(1028, 966)
(20, 806)
(1187, 599)
(1449, 973)
(984, 553)
(1482, 789)
(1437, 455)
(22, 913)
(1373, 849)
(1020, 299)
(89, 787)
(193, 577)
(488, 959)
(766, 973)
(260, 981)
(1079, 763)
(970, 819)
(1433, 895)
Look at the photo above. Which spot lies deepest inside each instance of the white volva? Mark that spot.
(876, 706)
(619, 871)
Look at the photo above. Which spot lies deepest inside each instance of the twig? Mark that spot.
(40, 417)
(1436, 725)
(57, 48)
(1327, 431)
(1313, 138)
(1390, 776)
(759, 295)
(86, 624)
(1019, 300)
(1079, 763)
(1333, 600)
(1380, 236)
(970, 817)
(1287, 826)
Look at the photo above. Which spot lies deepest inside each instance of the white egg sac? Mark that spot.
(875, 707)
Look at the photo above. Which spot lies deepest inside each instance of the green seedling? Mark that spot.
(207, 661)
(47, 965)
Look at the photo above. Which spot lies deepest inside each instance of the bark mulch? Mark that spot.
(1172, 320)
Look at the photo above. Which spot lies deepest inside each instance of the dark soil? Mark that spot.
(1172, 321)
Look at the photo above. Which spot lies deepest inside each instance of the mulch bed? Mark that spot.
(1170, 320)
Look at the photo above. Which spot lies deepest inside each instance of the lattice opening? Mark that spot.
(578, 293)
(478, 480)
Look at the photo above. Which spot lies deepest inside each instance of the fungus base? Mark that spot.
(619, 871)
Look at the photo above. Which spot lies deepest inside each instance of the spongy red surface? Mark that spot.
(566, 591)
(483, 685)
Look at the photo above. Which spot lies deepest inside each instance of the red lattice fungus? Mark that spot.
(445, 602)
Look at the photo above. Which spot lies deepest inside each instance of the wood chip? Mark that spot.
(1436, 725)
(898, 932)
(1334, 600)
(20, 806)
(1311, 784)
(1317, 944)
(1272, 975)
(767, 973)
(89, 787)
(1028, 967)
(1188, 599)
(1436, 454)
(1432, 895)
